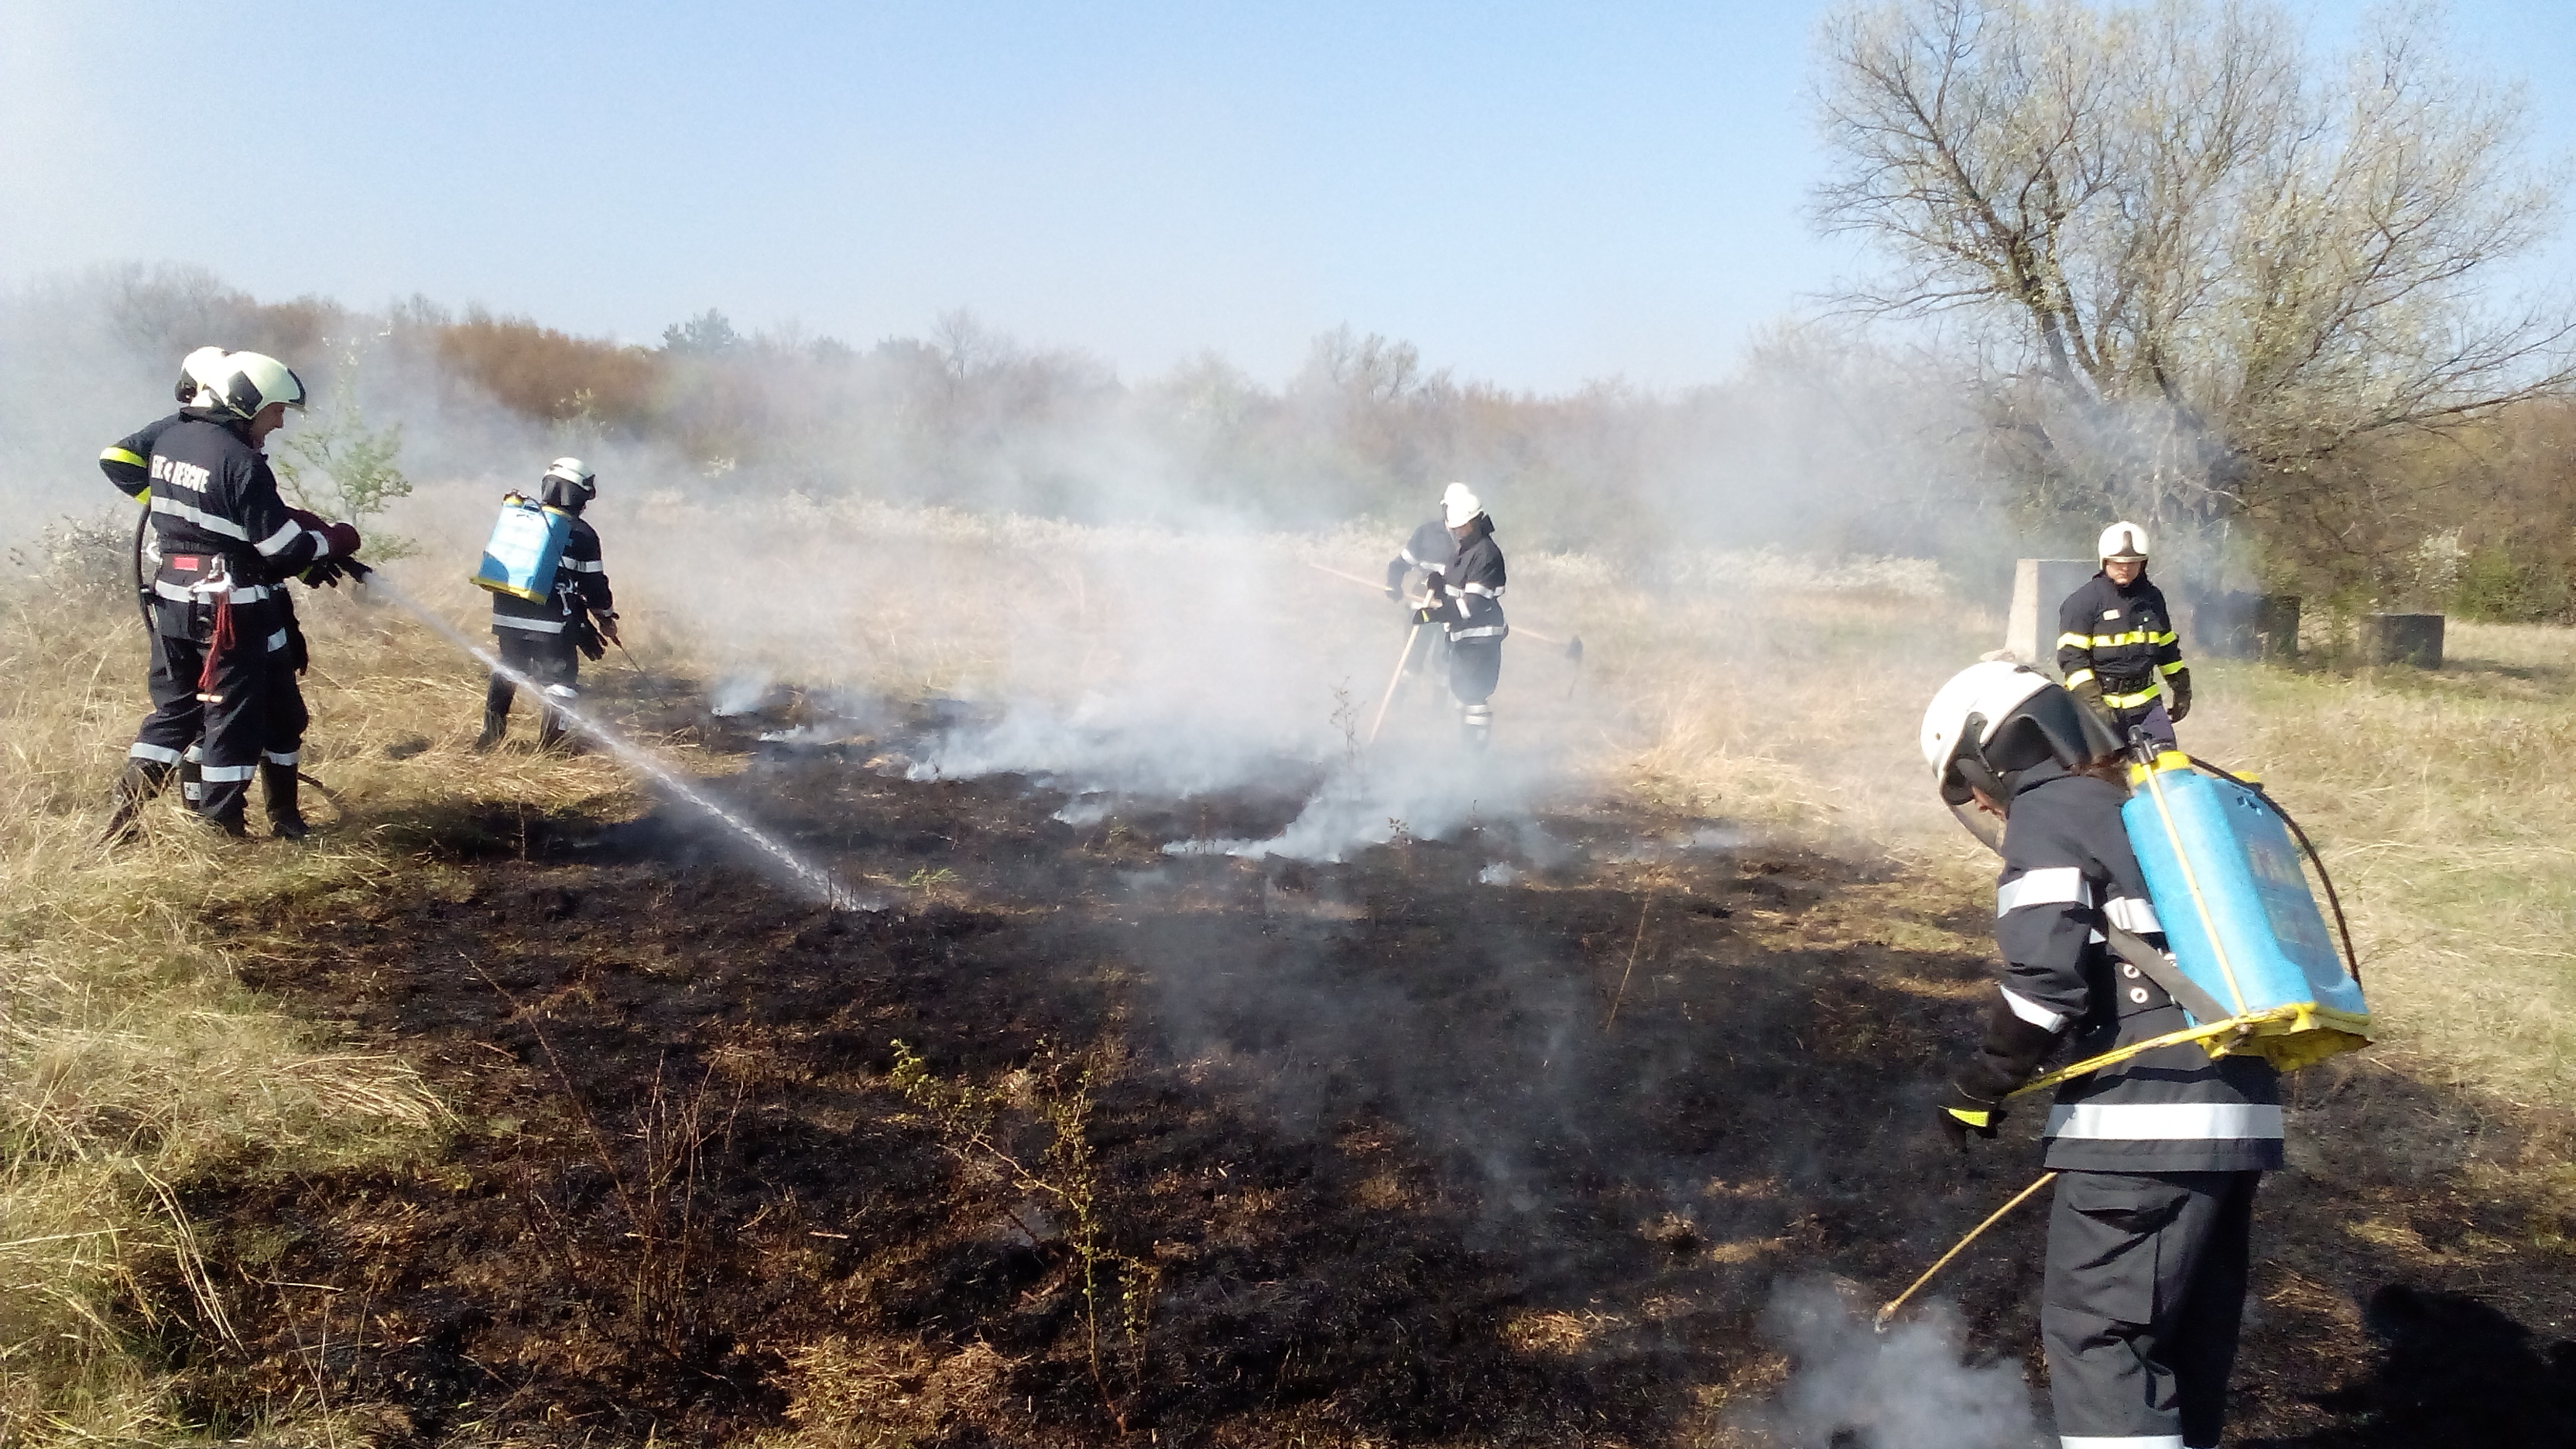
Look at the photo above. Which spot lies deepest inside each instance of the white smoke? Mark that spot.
(1909, 1388)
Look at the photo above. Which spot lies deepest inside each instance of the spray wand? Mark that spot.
(1961, 1246)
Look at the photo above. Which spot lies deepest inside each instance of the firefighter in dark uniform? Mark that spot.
(2116, 642)
(1466, 600)
(127, 465)
(2159, 1155)
(1428, 550)
(127, 462)
(546, 639)
(226, 647)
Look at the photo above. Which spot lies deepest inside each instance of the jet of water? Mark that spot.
(808, 876)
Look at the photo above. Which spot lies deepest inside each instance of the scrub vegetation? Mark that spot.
(516, 1110)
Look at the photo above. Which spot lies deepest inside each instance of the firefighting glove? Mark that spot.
(606, 622)
(2090, 691)
(343, 538)
(326, 570)
(586, 639)
(2180, 704)
(1962, 1115)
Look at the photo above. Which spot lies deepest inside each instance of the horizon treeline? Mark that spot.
(1821, 440)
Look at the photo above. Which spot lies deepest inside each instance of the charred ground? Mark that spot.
(1502, 1138)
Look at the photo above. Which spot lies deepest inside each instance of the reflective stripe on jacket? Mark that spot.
(2121, 639)
(213, 496)
(581, 586)
(1469, 590)
(2068, 869)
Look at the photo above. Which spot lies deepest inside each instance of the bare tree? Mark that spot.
(2201, 262)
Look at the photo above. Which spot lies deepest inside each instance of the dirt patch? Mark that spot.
(1374, 1152)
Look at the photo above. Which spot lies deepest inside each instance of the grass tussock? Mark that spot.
(131, 1059)
(2445, 805)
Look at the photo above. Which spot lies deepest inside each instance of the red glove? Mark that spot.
(308, 518)
(342, 537)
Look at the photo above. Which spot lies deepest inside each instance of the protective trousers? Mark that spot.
(251, 684)
(2144, 1292)
(1475, 667)
(2153, 719)
(1428, 654)
(547, 660)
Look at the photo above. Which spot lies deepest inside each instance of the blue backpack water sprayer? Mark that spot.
(2238, 915)
(2251, 963)
(527, 543)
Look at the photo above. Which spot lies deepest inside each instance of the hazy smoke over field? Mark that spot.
(1904, 1389)
(1115, 580)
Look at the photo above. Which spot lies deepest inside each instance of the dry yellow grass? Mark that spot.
(130, 1057)
(2446, 807)
(1779, 697)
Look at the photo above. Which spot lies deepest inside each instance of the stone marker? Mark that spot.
(2039, 586)
(2414, 639)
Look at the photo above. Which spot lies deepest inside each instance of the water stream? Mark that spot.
(808, 877)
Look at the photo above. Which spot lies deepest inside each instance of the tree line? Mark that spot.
(2161, 261)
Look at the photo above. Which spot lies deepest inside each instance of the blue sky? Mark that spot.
(1534, 194)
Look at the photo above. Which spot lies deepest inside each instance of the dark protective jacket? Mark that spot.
(216, 513)
(2123, 639)
(127, 462)
(1467, 592)
(2067, 869)
(1430, 549)
(581, 588)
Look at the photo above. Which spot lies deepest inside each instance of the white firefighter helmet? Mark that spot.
(569, 483)
(1995, 719)
(199, 371)
(246, 382)
(1458, 504)
(2124, 541)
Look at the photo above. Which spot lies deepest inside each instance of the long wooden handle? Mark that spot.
(1532, 635)
(1380, 722)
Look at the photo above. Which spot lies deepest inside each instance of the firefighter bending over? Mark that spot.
(1429, 549)
(226, 647)
(2116, 642)
(1466, 600)
(2158, 1156)
(546, 639)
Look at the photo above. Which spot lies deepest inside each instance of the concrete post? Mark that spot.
(2414, 639)
(2039, 586)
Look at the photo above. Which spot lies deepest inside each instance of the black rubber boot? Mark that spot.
(135, 787)
(496, 723)
(550, 731)
(229, 824)
(285, 821)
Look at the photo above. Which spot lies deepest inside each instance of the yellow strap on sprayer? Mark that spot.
(2118, 1055)
(2190, 879)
